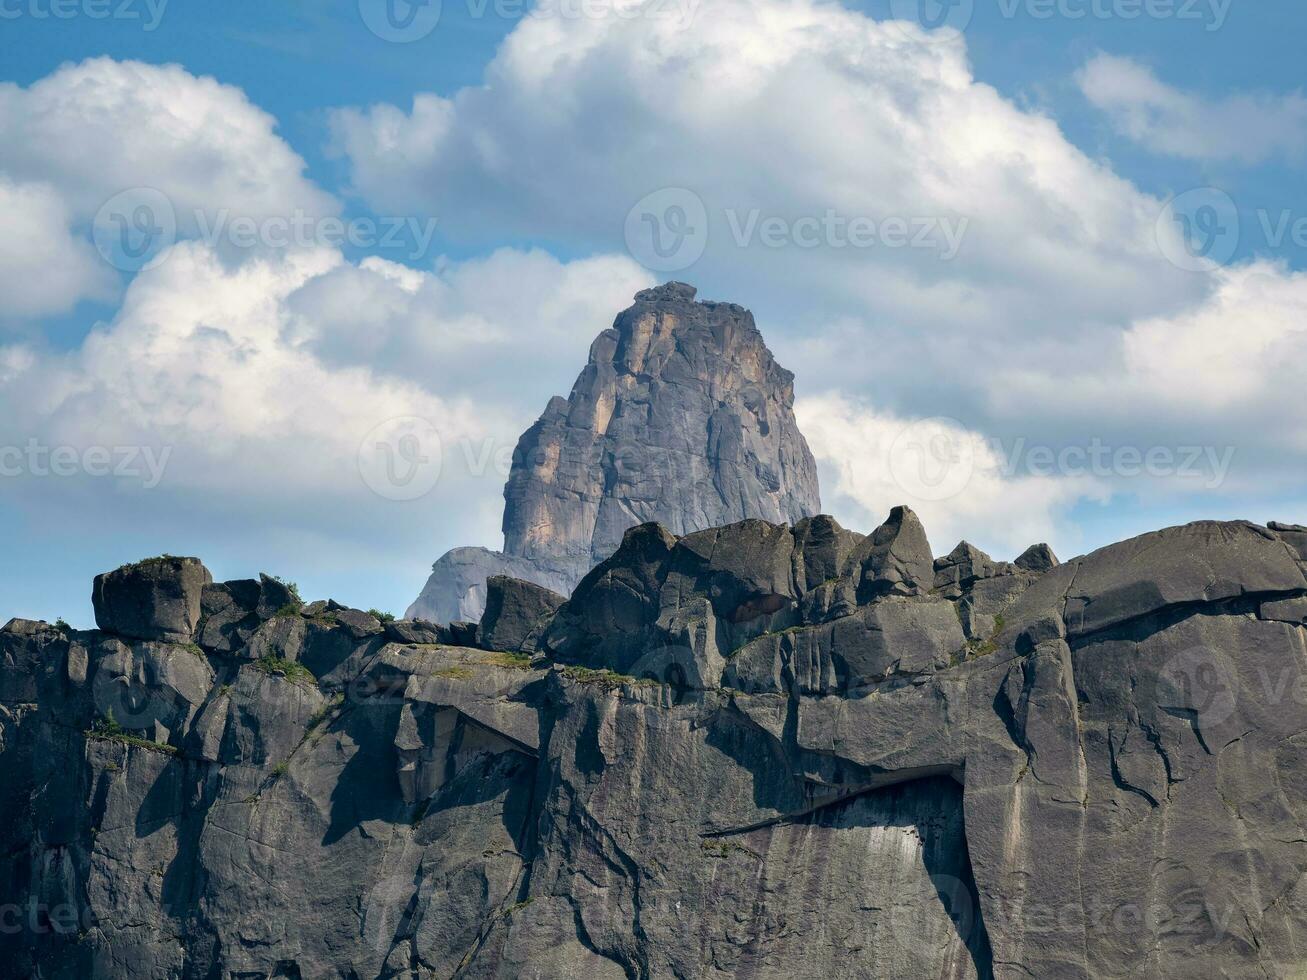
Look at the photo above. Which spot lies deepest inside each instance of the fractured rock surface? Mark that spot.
(751, 751)
(682, 416)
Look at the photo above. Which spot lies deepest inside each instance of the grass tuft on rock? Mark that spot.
(106, 729)
(290, 669)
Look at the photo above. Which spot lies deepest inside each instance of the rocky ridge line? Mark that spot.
(755, 751)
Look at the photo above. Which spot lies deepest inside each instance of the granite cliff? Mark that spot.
(758, 750)
(681, 416)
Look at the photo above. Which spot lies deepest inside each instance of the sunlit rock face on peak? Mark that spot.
(681, 416)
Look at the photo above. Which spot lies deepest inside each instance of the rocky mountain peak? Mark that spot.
(681, 416)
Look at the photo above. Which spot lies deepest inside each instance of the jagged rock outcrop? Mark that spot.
(682, 416)
(753, 751)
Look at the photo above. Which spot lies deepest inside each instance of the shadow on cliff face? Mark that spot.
(885, 876)
(932, 807)
(368, 788)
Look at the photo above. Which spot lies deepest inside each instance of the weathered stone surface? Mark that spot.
(681, 417)
(896, 559)
(516, 614)
(803, 776)
(1037, 558)
(156, 599)
(416, 632)
(964, 565)
(233, 611)
(1285, 610)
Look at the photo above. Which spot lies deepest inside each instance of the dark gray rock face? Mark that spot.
(156, 599)
(752, 751)
(682, 417)
(517, 612)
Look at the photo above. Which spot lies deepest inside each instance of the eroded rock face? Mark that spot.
(516, 614)
(682, 417)
(754, 751)
(156, 599)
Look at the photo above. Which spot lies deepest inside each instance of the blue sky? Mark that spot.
(1053, 327)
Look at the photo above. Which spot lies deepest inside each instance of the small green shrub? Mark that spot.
(156, 560)
(608, 678)
(106, 729)
(513, 661)
(454, 673)
(384, 617)
(290, 669)
(292, 587)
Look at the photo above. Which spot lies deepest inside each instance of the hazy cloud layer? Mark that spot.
(1246, 128)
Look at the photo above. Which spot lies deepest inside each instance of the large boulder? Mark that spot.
(896, 558)
(155, 599)
(516, 614)
(234, 611)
